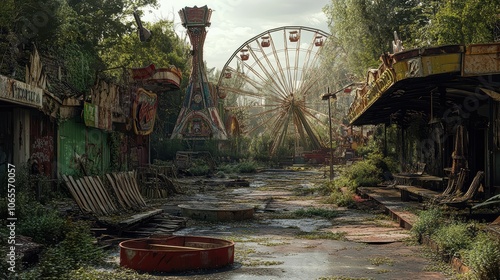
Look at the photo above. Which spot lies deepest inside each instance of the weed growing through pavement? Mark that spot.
(322, 235)
(381, 261)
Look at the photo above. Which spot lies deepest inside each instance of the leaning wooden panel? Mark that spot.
(93, 199)
(107, 194)
(122, 183)
(132, 187)
(119, 194)
(135, 187)
(98, 201)
(75, 195)
(83, 195)
(100, 195)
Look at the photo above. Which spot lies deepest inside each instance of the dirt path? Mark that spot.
(281, 243)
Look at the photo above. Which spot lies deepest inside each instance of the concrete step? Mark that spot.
(390, 198)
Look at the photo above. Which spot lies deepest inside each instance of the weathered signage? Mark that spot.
(428, 61)
(375, 90)
(21, 93)
(195, 16)
(97, 116)
(481, 59)
(90, 114)
(144, 111)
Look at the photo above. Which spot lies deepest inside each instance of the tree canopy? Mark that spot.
(84, 36)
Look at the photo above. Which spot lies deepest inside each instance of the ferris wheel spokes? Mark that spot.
(278, 73)
(270, 77)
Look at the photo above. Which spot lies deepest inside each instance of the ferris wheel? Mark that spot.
(274, 82)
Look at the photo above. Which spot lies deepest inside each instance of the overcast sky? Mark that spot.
(236, 21)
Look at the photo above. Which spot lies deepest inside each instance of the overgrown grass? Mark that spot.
(67, 245)
(44, 225)
(483, 256)
(77, 250)
(428, 222)
(466, 240)
(240, 167)
(120, 274)
(322, 235)
(368, 172)
(454, 237)
(381, 261)
(199, 168)
(342, 197)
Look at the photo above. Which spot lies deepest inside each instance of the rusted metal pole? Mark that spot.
(330, 126)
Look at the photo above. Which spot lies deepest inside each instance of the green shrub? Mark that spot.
(199, 170)
(326, 187)
(453, 238)
(199, 167)
(75, 251)
(247, 167)
(427, 223)
(240, 167)
(342, 199)
(228, 168)
(42, 224)
(483, 257)
(381, 162)
(368, 172)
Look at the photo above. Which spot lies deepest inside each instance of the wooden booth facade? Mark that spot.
(455, 91)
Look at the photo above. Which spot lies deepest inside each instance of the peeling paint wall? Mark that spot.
(82, 148)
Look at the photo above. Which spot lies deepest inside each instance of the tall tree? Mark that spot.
(465, 22)
(364, 28)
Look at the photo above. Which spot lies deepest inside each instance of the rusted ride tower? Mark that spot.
(199, 118)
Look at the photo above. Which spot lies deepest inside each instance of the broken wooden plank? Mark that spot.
(141, 216)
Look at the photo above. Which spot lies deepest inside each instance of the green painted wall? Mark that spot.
(82, 147)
